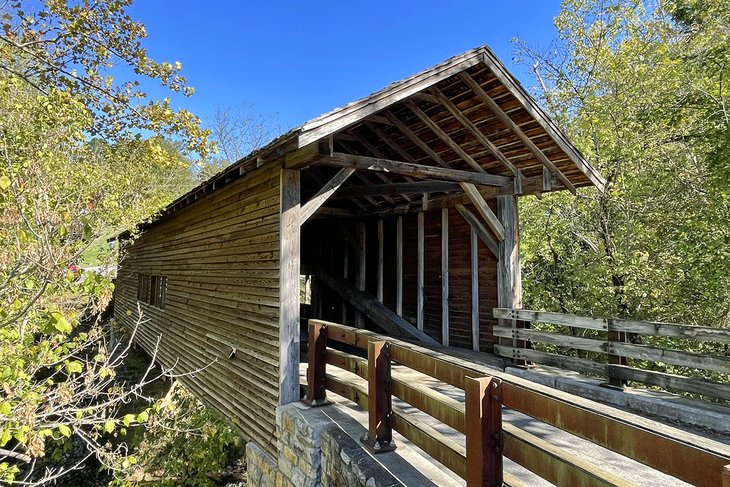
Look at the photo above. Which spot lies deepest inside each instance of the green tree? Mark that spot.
(74, 169)
(642, 90)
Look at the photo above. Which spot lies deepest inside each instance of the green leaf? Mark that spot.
(128, 419)
(143, 417)
(60, 323)
(6, 436)
(4, 182)
(6, 408)
(64, 430)
(109, 426)
(74, 367)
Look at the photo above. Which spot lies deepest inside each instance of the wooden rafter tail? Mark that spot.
(415, 170)
(483, 139)
(505, 119)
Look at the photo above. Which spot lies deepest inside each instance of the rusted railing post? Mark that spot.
(484, 431)
(380, 432)
(615, 336)
(317, 358)
(726, 476)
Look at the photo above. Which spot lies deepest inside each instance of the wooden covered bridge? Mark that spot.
(395, 214)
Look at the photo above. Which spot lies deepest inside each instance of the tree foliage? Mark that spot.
(183, 442)
(74, 170)
(643, 91)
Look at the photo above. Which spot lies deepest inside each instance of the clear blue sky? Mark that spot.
(296, 60)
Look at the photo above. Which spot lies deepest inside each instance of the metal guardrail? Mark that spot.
(611, 340)
(684, 460)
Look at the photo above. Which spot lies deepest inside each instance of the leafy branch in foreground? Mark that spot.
(73, 46)
(74, 170)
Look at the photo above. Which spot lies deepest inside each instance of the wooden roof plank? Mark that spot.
(541, 117)
(352, 113)
(497, 110)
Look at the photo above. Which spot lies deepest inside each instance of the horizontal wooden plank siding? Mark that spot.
(221, 259)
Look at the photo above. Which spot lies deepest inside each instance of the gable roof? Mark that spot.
(477, 85)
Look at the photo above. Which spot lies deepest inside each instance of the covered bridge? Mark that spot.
(398, 211)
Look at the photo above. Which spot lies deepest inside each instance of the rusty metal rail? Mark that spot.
(693, 460)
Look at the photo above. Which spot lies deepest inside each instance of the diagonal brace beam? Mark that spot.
(481, 205)
(311, 206)
(479, 229)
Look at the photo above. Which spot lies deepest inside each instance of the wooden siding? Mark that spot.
(221, 259)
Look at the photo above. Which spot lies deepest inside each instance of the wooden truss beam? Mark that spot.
(415, 170)
(315, 203)
(362, 178)
(374, 151)
(471, 191)
(370, 307)
(395, 189)
(483, 208)
(382, 136)
(505, 119)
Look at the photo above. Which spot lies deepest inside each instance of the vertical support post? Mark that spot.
(421, 270)
(399, 266)
(360, 278)
(547, 179)
(483, 409)
(445, 277)
(509, 273)
(289, 266)
(380, 432)
(346, 264)
(474, 290)
(726, 476)
(615, 336)
(317, 358)
(381, 237)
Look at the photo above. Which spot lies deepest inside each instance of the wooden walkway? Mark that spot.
(622, 467)
(554, 454)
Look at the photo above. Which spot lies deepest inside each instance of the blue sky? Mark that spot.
(296, 60)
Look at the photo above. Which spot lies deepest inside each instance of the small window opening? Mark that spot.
(152, 290)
